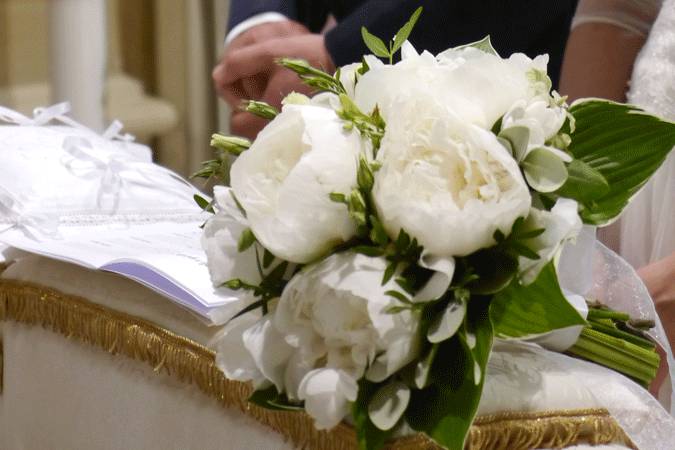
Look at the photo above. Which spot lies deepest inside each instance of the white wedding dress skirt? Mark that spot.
(648, 224)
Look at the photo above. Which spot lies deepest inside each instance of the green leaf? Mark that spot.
(584, 183)
(389, 272)
(246, 240)
(398, 296)
(261, 109)
(446, 324)
(521, 311)
(368, 250)
(495, 268)
(270, 399)
(625, 145)
(378, 234)
(231, 144)
(268, 259)
(203, 203)
(403, 34)
(484, 45)
(446, 408)
(368, 436)
(544, 170)
(374, 44)
(423, 367)
(338, 197)
(252, 307)
(518, 137)
(364, 176)
(388, 404)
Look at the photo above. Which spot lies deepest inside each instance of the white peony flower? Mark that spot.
(349, 75)
(284, 180)
(543, 120)
(337, 311)
(327, 394)
(561, 224)
(478, 86)
(329, 329)
(220, 238)
(446, 182)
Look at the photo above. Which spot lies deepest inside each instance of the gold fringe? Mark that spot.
(189, 361)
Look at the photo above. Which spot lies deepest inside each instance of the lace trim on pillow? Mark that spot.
(189, 361)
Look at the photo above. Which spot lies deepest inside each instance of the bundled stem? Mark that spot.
(609, 340)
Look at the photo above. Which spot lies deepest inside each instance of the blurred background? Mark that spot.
(157, 58)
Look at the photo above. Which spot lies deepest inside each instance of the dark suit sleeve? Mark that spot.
(528, 26)
(241, 10)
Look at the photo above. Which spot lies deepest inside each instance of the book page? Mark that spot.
(164, 256)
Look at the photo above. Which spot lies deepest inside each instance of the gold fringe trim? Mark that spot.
(191, 362)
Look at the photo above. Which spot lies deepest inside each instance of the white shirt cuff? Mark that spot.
(251, 22)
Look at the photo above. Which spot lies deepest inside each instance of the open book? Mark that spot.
(163, 255)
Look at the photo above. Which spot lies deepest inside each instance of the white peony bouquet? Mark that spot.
(384, 232)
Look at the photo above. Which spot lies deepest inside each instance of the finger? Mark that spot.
(282, 83)
(255, 86)
(249, 61)
(246, 124)
(234, 94)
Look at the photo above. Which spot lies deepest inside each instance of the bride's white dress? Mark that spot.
(648, 224)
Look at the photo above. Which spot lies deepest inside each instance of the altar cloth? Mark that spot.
(59, 393)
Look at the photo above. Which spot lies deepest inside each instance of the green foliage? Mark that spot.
(203, 203)
(261, 109)
(379, 48)
(622, 144)
(584, 183)
(246, 240)
(375, 44)
(521, 311)
(445, 409)
(404, 33)
(312, 76)
(544, 170)
(368, 436)
(370, 126)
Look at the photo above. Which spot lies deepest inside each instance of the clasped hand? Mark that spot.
(248, 69)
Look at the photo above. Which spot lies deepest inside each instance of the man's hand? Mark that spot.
(252, 87)
(254, 69)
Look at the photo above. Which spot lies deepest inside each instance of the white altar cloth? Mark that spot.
(59, 393)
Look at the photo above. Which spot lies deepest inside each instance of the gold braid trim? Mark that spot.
(189, 361)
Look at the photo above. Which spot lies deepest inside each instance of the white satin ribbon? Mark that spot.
(33, 225)
(86, 162)
(58, 112)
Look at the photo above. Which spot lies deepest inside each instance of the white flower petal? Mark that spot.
(269, 350)
(561, 224)
(327, 393)
(286, 176)
(231, 356)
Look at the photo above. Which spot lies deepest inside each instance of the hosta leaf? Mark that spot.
(540, 307)
(625, 145)
(584, 183)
